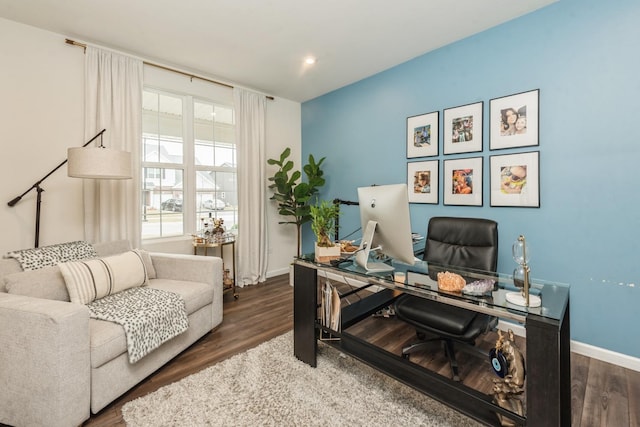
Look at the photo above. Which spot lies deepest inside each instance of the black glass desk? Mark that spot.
(548, 384)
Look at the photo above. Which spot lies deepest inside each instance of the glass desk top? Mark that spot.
(420, 279)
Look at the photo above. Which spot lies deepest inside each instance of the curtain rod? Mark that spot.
(192, 76)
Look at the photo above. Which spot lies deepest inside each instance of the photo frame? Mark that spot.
(422, 181)
(422, 135)
(462, 182)
(463, 129)
(514, 120)
(515, 180)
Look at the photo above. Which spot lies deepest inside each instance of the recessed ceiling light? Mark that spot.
(310, 60)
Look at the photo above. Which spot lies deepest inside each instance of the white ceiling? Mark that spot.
(261, 44)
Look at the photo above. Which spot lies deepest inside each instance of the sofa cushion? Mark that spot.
(195, 294)
(92, 279)
(108, 339)
(47, 283)
(8, 266)
(112, 247)
(148, 264)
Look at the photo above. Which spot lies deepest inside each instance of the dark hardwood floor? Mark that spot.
(602, 394)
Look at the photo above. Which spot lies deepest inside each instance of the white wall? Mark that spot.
(283, 130)
(41, 113)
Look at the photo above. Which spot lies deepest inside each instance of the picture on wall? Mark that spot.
(514, 120)
(422, 135)
(463, 129)
(422, 181)
(515, 180)
(462, 182)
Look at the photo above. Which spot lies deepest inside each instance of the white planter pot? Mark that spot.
(326, 254)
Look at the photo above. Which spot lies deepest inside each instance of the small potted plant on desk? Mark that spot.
(323, 218)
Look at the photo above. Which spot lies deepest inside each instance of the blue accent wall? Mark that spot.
(584, 56)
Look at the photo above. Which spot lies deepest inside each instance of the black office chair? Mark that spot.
(459, 242)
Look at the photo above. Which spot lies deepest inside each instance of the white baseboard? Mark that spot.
(619, 359)
(274, 273)
(623, 360)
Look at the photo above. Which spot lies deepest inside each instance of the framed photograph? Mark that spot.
(514, 120)
(422, 135)
(422, 182)
(463, 129)
(515, 180)
(462, 182)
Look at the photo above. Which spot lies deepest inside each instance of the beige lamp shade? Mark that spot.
(98, 163)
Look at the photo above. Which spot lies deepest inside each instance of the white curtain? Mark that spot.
(250, 139)
(113, 101)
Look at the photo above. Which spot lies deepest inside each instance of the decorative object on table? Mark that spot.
(294, 196)
(515, 180)
(462, 182)
(218, 229)
(514, 120)
(422, 181)
(323, 217)
(450, 282)
(521, 276)
(227, 280)
(347, 247)
(422, 135)
(479, 287)
(96, 163)
(463, 129)
(206, 229)
(212, 231)
(508, 363)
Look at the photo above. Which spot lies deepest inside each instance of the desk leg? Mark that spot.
(548, 371)
(305, 303)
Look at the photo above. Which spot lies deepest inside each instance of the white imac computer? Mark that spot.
(386, 226)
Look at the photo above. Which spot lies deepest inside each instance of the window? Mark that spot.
(188, 164)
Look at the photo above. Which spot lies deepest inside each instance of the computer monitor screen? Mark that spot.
(386, 225)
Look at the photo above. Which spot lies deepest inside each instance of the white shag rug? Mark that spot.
(269, 386)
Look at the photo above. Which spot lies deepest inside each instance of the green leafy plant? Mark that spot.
(323, 220)
(293, 195)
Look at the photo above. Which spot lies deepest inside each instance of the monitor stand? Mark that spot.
(362, 257)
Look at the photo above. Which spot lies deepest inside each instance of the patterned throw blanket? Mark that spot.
(149, 316)
(46, 256)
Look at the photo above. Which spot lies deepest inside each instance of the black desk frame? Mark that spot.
(547, 356)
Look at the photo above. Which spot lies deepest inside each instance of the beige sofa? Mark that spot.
(57, 365)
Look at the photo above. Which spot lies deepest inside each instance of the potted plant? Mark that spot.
(323, 219)
(293, 195)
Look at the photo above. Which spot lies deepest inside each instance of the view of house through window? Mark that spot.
(188, 164)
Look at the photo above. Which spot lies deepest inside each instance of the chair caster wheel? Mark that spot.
(405, 356)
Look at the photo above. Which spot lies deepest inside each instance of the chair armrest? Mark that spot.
(45, 371)
(193, 268)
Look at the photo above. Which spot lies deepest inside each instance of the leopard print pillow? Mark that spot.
(46, 256)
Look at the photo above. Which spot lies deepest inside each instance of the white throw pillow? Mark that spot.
(93, 279)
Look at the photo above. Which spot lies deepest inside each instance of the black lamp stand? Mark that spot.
(39, 190)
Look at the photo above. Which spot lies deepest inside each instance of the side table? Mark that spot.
(229, 283)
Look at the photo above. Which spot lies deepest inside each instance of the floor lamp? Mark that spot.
(94, 162)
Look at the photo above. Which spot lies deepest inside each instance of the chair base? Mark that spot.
(449, 351)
